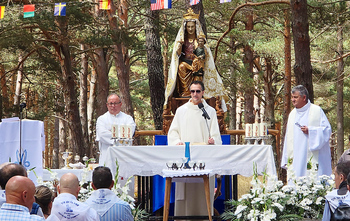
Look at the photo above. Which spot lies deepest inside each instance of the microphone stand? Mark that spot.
(206, 121)
(21, 107)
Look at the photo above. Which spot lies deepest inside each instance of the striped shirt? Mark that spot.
(11, 212)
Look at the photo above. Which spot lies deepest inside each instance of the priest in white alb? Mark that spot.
(189, 125)
(306, 143)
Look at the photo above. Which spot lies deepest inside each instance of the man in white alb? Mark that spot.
(104, 125)
(189, 125)
(306, 143)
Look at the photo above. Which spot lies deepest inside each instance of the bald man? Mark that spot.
(66, 206)
(19, 200)
(8, 170)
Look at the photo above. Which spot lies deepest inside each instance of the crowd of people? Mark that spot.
(20, 200)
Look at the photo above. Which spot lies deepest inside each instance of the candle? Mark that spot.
(248, 130)
(256, 130)
(128, 131)
(123, 131)
(263, 129)
(115, 131)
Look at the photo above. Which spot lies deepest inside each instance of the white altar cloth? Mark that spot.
(219, 159)
(33, 143)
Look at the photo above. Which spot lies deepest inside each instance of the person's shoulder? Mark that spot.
(122, 203)
(331, 194)
(36, 217)
(183, 107)
(103, 115)
(52, 217)
(315, 105)
(124, 114)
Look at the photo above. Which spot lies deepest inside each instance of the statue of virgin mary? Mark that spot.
(180, 72)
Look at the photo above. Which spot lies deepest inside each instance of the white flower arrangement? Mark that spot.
(271, 200)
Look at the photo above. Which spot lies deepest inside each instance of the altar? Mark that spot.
(219, 159)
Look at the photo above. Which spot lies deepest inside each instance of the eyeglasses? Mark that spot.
(197, 91)
(113, 104)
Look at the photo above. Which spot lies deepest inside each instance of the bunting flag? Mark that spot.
(194, 2)
(160, 4)
(28, 11)
(2, 11)
(224, 1)
(105, 4)
(60, 9)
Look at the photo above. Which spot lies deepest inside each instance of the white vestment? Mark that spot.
(312, 147)
(104, 131)
(67, 207)
(189, 125)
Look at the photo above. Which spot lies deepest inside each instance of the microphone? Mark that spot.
(22, 106)
(205, 114)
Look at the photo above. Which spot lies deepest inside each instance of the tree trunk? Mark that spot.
(235, 121)
(4, 95)
(248, 59)
(55, 148)
(165, 44)
(68, 80)
(340, 101)
(62, 141)
(100, 64)
(300, 26)
(287, 81)
(155, 66)
(270, 106)
(120, 62)
(18, 91)
(83, 97)
(269, 95)
(90, 113)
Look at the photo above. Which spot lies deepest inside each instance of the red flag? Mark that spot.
(105, 4)
(2, 11)
(28, 11)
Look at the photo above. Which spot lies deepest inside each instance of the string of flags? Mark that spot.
(166, 4)
(60, 8)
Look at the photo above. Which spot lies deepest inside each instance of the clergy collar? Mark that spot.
(305, 107)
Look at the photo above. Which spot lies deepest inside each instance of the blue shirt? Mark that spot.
(118, 212)
(11, 212)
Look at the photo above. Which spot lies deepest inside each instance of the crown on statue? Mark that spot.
(190, 14)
